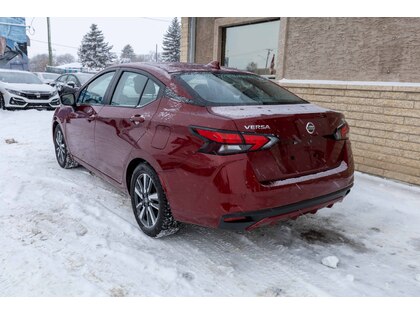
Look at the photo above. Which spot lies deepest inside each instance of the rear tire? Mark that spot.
(150, 206)
(62, 154)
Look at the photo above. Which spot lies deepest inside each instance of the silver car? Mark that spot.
(47, 77)
(23, 90)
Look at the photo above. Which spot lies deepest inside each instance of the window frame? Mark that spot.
(149, 76)
(65, 76)
(105, 99)
(223, 36)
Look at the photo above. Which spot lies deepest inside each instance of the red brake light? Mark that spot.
(342, 131)
(230, 142)
(257, 141)
(345, 131)
(220, 137)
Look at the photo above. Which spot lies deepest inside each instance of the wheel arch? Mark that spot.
(54, 125)
(130, 170)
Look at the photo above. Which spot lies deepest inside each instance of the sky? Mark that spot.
(66, 33)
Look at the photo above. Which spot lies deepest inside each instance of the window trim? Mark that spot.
(149, 76)
(106, 95)
(221, 23)
(223, 36)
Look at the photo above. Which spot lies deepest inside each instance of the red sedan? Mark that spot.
(204, 145)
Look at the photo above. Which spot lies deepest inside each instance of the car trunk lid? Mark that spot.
(305, 131)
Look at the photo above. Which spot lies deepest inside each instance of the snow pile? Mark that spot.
(330, 261)
(68, 233)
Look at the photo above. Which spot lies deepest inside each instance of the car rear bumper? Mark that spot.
(207, 189)
(249, 220)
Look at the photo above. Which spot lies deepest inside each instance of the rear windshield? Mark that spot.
(19, 77)
(221, 89)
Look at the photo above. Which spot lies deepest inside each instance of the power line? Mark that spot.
(155, 19)
(55, 44)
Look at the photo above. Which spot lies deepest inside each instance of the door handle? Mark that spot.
(137, 119)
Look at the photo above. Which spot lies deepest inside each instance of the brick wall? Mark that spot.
(384, 124)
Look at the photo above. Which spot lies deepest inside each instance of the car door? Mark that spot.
(124, 121)
(81, 123)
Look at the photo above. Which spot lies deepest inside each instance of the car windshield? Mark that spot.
(221, 89)
(83, 77)
(19, 77)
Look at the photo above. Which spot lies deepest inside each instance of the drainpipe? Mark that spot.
(191, 39)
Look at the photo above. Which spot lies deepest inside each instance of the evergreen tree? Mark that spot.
(94, 52)
(172, 42)
(128, 53)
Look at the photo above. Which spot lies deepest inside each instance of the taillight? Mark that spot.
(231, 142)
(342, 132)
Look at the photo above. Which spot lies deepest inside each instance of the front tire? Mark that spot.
(62, 154)
(2, 103)
(150, 206)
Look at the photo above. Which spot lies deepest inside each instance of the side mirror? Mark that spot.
(68, 99)
(53, 83)
(71, 84)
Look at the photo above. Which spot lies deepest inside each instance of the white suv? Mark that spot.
(23, 89)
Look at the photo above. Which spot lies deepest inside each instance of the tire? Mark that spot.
(62, 154)
(2, 105)
(150, 206)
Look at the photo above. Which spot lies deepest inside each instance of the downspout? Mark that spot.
(191, 40)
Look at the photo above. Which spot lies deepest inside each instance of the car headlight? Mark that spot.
(53, 93)
(15, 92)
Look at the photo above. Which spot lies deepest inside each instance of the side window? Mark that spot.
(62, 79)
(150, 93)
(129, 89)
(71, 78)
(94, 93)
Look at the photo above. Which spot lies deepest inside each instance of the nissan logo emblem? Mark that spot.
(310, 128)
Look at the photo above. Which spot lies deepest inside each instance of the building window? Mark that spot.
(252, 47)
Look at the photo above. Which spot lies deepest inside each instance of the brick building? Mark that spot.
(367, 68)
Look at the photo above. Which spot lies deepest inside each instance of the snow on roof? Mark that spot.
(73, 65)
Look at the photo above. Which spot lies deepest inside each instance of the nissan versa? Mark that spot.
(205, 145)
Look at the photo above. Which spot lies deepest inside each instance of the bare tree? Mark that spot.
(38, 63)
(63, 59)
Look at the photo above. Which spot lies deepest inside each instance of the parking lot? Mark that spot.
(67, 232)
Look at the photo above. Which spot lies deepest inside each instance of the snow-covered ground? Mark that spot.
(68, 233)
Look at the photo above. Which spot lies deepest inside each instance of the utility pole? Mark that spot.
(50, 56)
(268, 55)
(156, 54)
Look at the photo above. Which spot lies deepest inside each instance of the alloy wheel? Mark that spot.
(146, 200)
(60, 148)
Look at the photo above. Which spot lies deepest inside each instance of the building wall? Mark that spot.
(384, 125)
(357, 49)
(384, 120)
(204, 40)
(184, 39)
